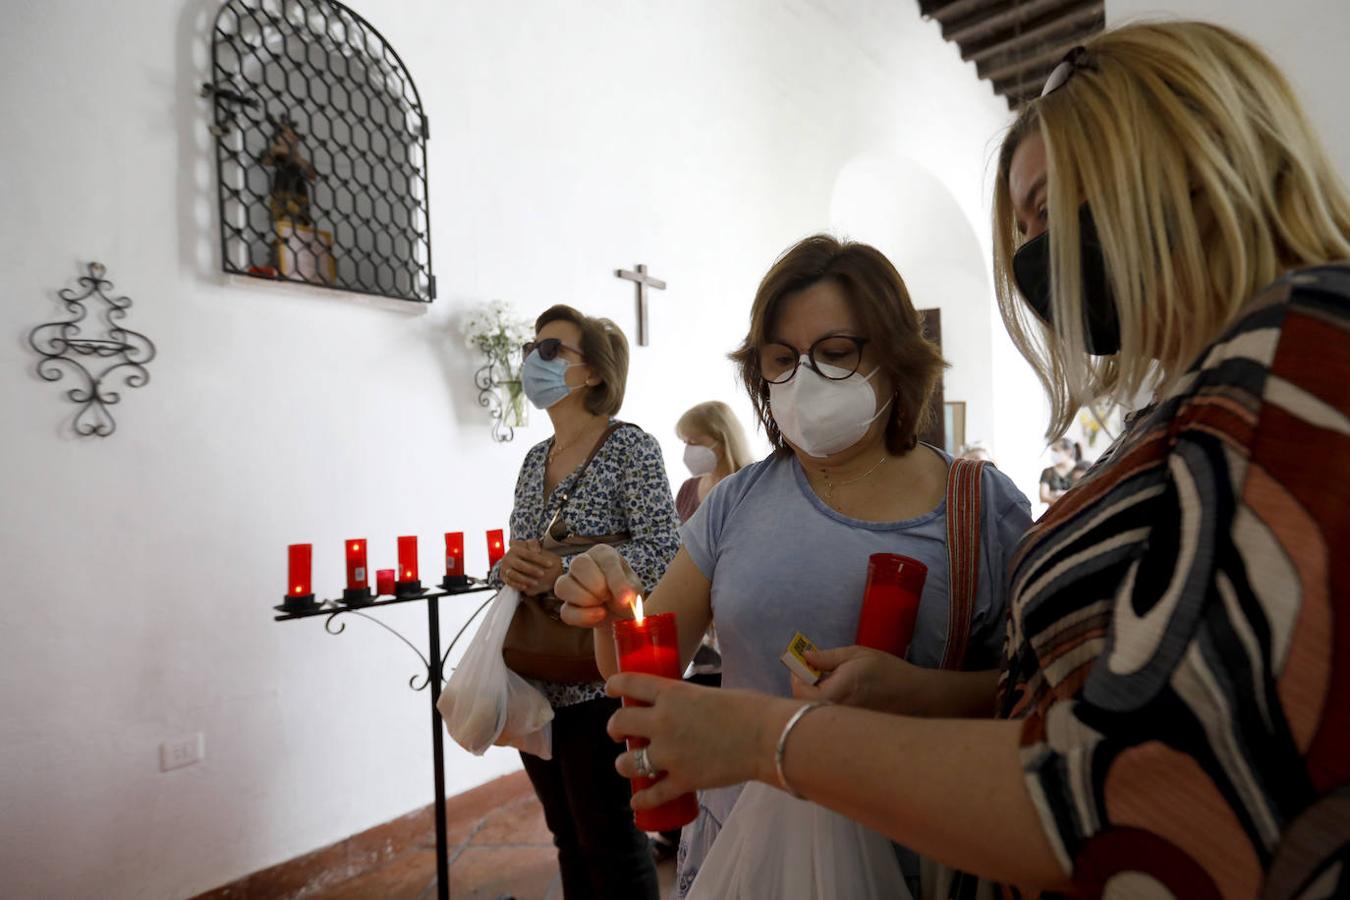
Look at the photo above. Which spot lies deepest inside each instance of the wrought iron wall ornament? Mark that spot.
(320, 150)
(506, 411)
(99, 361)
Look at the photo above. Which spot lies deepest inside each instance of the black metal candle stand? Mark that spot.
(408, 589)
(357, 596)
(455, 582)
(432, 675)
(298, 603)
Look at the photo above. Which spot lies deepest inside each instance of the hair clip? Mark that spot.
(1061, 73)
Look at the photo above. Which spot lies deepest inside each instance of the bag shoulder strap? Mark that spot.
(599, 445)
(963, 555)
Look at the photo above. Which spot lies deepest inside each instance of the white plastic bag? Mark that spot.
(774, 845)
(485, 703)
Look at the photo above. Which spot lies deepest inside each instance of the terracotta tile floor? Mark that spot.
(506, 853)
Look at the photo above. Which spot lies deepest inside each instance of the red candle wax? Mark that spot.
(299, 558)
(496, 544)
(454, 553)
(890, 604)
(357, 576)
(407, 558)
(651, 645)
(384, 581)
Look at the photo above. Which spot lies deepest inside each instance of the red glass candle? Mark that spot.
(454, 553)
(299, 558)
(407, 558)
(384, 581)
(496, 544)
(890, 604)
(651, 645)
(357, 576)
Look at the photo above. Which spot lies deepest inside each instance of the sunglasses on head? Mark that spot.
(548, 349)
(1075, 60)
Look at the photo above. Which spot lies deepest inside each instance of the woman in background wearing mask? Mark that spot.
(840, 375)
(1057, 478)
(576, 369)
(714, 447)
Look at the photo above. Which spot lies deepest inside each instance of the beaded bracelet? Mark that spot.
(782, 744)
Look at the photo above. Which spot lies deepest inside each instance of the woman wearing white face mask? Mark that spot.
(1057, 478)
(840, 376)
(714, 447)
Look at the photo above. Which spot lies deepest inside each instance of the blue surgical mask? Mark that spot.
(545, 381)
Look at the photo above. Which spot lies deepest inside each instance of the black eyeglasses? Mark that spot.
(835, 356)
(548, 349)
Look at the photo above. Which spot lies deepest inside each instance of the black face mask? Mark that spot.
(1031, 271)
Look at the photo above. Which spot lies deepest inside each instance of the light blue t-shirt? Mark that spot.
(781, 561)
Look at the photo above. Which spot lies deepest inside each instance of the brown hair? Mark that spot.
(715, 419)
(606, 351)
(877, 296)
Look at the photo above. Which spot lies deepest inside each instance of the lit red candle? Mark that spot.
(496, 546)
(357, 575)
(300, 559)
(454, 553)
(407, 558)
(890, 604)
(384, 581)
(650, 644)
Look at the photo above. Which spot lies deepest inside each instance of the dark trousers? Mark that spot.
(600, 851)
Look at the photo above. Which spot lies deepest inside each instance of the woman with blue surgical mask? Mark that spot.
(840, 375)
(576, 369)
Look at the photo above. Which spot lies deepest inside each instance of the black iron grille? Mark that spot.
(320, 150)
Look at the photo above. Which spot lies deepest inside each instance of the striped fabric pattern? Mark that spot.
(1179, 642)
(963, 555)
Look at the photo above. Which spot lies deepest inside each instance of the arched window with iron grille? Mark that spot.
(320, 150)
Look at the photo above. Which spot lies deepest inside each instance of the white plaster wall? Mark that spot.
(1306, 38)
(568, 139)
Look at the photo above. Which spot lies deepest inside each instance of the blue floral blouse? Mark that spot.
(624, 489)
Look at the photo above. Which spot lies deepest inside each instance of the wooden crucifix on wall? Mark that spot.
(643, 281)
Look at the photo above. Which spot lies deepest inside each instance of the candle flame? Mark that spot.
(637, 607)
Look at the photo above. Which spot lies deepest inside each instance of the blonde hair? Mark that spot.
(715, 419)
(1206, 182)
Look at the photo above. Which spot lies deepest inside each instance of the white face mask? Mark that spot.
(822, 416)
(699, 460)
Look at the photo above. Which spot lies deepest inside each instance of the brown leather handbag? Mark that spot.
(539, 644)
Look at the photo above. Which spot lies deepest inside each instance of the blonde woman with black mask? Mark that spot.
(1174, 712)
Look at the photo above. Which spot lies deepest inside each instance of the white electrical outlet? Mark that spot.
(182, 751)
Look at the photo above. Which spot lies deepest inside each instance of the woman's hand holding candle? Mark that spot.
(599, 586)
(700, 737)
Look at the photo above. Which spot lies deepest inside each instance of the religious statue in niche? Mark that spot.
(300, 248)
(291, 173)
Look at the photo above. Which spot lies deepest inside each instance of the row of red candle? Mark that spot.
(300, 558)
